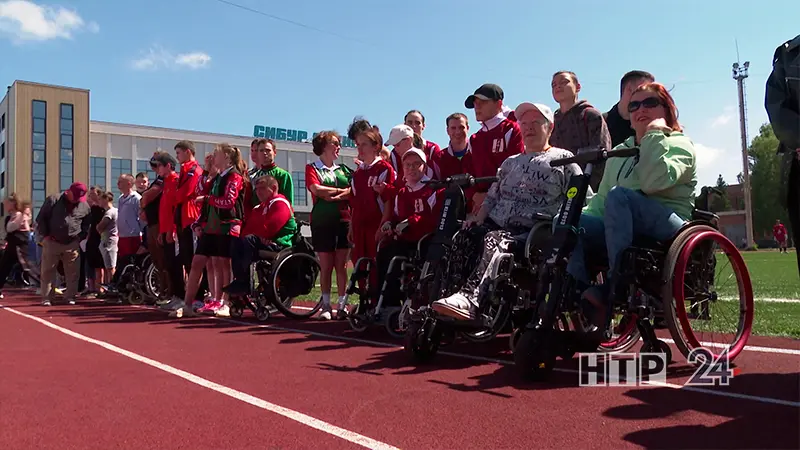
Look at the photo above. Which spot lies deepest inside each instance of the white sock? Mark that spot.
(326, 299)
(342, 300)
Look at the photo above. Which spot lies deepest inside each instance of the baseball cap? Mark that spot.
(488, 91)
(527, 106)
(78, 190)
(399, 133)
(416, 151)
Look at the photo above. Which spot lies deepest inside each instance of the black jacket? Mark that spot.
(63, 222)
(782, 101)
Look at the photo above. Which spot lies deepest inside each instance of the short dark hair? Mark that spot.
(185, 145)
(358, 126)
(455, 116)
(321, 140)
(268, 179)
(141, 175)
(266, 141)
(412, 112)
(635, 75)
(567, 72)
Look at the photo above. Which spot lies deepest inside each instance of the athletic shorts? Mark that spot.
(329, 238)
(214, 245)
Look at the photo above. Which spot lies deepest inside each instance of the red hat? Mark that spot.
(78, 190)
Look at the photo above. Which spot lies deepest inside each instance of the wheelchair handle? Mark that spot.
(462, 180)
(595, 156)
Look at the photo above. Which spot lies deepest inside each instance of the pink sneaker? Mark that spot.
(211, 307)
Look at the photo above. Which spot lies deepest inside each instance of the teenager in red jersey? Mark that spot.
(367, 206)
(498, 138)
(415, 213)
(402, 138)
(456, 157)
(186, 211)
(416, 121)
(165, 165)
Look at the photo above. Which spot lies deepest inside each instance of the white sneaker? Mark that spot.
(456, 306)
(224, 311)
(181, 312)
(71, 302)
(46, 303)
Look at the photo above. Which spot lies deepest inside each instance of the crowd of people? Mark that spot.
(194, 216)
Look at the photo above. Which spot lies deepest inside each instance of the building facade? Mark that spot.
(47, 141)
(44, 142)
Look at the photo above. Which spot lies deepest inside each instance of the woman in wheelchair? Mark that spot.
(269, 226)
(527, 190)
(650, 195)
(416, 209)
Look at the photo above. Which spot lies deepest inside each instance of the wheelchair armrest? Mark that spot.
(543, 217)
(706, 216)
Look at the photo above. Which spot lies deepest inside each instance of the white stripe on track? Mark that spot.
(230, 392)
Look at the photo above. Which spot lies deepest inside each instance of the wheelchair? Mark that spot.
(139, 281)
(406, 269)
(656, 279)
(285, 280)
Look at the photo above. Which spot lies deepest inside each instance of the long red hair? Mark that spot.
(666, 100)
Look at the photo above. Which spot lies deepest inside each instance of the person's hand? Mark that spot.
(658, 125)
(471, 222)
(477, 202)
(170, 238)
(379, 187)
(199, 200)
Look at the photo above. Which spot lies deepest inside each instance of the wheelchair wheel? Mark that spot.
(356, 318)
(422, 339)
(262, 314)
(236, 309)
(135, 297)
(393, 323)
(500, 315)
(151, 282)
(294, 279)
(535, 355)
(706, 270)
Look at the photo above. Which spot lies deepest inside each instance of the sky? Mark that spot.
(224, 66)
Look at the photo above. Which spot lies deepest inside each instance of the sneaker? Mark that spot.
(223, 311)
(326, 313)
(182, 312)
(1, 295)
(341, 313)
(210, 307)
(71, 301)
(197, 305)
(163, 301)
(46, 303)
(58, 291)
(173, 304)
(456, 306)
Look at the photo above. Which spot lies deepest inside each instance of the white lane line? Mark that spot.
(755, 398)
(230, 392)
(750, 348)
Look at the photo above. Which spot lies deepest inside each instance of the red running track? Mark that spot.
(146, 381)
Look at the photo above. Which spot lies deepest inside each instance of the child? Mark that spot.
(415, 213)
(269, 226)
(109, 238)
(223, 202)
(94, 257)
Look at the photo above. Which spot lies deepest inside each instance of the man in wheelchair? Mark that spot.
(527, 190)
(416, 210)
(650, 195)
(269, 226)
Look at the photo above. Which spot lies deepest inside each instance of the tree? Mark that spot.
(721, 203)
(765, 177)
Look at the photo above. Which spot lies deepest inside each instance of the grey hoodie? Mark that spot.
(582, 127)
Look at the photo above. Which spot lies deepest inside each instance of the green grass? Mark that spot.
(772, 274)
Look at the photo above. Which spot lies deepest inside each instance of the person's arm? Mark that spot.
(15, 222)
(229, 195)
(664, 161)
(43, 218)
(316, 188)
(781, 108)
(287, 187)
(188, 190)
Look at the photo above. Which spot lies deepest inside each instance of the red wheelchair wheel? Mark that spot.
(698, 276)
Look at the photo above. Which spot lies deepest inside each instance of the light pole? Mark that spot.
(739, 74)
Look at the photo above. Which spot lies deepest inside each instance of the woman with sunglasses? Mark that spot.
(650, 195)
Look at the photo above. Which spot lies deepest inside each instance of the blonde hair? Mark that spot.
(19, 204)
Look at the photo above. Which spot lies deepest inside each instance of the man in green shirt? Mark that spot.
(265, 159)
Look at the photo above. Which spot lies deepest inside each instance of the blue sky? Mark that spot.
(205, 65)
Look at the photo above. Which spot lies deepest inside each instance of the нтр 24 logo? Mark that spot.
(634, 369)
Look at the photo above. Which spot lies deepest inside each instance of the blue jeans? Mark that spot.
(628, 213)
(244, 251)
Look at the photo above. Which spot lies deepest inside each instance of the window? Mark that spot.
(118, 167)
(97, 172)
(143, 165)
(65, 165)
(2, 122)
(38, 149)
(300, 194)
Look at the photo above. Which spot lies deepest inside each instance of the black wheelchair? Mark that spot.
(285, 280)
(406, 269)
(656, 281)
(138, 282)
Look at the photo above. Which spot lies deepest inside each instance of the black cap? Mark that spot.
(488, 91)
(164, 158)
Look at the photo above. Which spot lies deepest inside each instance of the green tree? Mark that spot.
(765, 182)
(721, 203)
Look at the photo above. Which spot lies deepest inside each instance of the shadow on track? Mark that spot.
(749, 424)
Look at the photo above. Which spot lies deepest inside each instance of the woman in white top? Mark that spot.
(18, 227)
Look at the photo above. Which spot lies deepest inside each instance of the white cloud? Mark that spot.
(728, 114)
(157, 57)
(714, 161)
(24, 20)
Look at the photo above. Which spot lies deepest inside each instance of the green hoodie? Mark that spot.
(666, 171)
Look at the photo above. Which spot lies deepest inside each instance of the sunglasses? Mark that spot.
(649, 103)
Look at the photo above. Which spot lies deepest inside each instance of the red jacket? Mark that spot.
(779, 232)
(420, 205)
(166, 209)
(186, 192)
(266, 219)
(497, 139)
(366, 204)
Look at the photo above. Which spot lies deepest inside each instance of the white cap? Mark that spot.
(399, 133)
(527, 106)
(415, 151)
